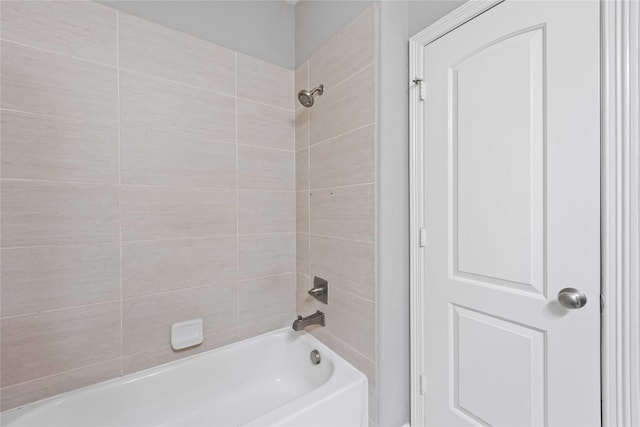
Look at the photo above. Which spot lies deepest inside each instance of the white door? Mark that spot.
(512, 216)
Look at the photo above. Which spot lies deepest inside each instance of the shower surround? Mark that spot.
(336, 187)
(147, 178)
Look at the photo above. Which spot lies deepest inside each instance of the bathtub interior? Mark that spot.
(227, 386)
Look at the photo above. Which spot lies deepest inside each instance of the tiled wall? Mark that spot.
(147, 178)
(335, 183)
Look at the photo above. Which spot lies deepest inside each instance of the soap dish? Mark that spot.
(186, 334)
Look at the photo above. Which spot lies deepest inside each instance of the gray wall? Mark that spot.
(317, 21)
(393, 215)
(424, 13)
(262, 29)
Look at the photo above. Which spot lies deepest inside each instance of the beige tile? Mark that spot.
(173, 212)
(348, 52)
(302, 128)
(45, 278)
(346, 212)
(149, 359)
(361, 363)
(158, 266)
(346, 160)
(58, 149)
(154, 105)
(153, 49)
(50, 343)
(302, 212)
(267, 254)
(266, 211)
(41, 388)
(49, 213)
(302, 253)
(266, 297)
(303, 284)
(266, 325)
(338, 111)
(264, 82)
(79, 28)
(352, 320)
(147, 320)
(301, 79)
(302, 169)
(346, 264)
(265, 126)
(160, 158)
(265, 169)
(37, 81)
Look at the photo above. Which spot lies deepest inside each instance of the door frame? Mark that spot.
(620, 248)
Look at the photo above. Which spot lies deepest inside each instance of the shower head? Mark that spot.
(306, 97)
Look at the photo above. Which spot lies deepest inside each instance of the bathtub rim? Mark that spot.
(344, 377)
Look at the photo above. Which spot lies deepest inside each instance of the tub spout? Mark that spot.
(302, 322)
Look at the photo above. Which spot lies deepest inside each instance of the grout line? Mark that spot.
(335, 85)
(190, 187)
(53, 116)
(265, 276)
(142, 73)
(268, 148)
(266, 319)
(353, 294)
(54, 375)
(174, 291)
(49, 181)
(279, 233)
(79, 58)
(201, 350)
(55, 310)
(8, 248)
(266, 190)
(171, 239)
(308, 185)
(269, 105)
(362, 184)
(341, 238)
(347, 345)
(237, 197)
(1, 222)
(324, 141)
(120, 192)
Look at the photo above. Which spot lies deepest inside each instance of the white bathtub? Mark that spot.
(268, 380)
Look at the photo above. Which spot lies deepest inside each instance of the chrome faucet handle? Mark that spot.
(320, 290)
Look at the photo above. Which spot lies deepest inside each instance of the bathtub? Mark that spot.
(268, 380)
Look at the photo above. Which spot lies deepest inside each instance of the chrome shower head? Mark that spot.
(306, 97)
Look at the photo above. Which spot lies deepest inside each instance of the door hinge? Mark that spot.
(423, 237)
(420, 83)
(423, 384)
(601, 303)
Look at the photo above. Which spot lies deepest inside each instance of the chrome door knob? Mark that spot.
(572, 298)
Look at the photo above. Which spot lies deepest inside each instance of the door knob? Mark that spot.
(572, 298)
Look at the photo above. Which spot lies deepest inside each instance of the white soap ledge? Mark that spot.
(186, 334)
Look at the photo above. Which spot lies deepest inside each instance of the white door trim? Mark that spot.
(620, 22)
(620, 321)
